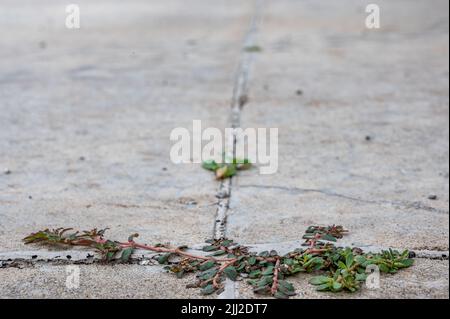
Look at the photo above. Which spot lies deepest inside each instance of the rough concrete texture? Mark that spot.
(96, 281)
(86, 120)
(86, 115)
(390, 85)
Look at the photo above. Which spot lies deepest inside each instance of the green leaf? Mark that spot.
(286, 285)
(110, 255)
(360, 277)
(319, 280)
(210, 165)
(328, 237)
(267, 280)
(218, 253)
(208, 274)
(163, 259)
(349, 260)
(126, 254)
(255, 274)
(208, 290)
(337, 286)
(231, 273)
(383, 268)
(360, 259)
(289, 261)
(315, 262)
(226, 243)
(268, 271)
(207, 265)
(241, 267)
(253, 49)
(209, 248)
(231, 171)
(252, 261)
(407, 262)
(323, 287)
(341, 265)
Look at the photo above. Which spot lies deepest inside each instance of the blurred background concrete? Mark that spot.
(85, 119)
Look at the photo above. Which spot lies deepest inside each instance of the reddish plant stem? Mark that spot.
(216, 283)
(276, 272)
(316, 251)
(172, 251)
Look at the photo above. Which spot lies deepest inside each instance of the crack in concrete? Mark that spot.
(398, 204)
(239, 99)
(28, 259)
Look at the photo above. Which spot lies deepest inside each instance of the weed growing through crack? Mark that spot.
(341, 269)
(226, 170)
(253, 49)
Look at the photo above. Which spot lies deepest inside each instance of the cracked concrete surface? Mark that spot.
(85, 119)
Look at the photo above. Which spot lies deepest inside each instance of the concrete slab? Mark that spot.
(86, 115)
(363, 124)
(96, 281)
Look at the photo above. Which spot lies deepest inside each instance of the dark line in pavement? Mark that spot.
(239, 99)
(400, 204)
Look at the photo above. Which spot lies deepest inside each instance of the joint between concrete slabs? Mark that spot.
(239, 99)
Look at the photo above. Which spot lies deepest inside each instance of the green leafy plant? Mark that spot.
(253, 49)
(341, 269)
(227, 169)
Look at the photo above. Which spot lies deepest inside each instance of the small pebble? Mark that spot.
(82, 158)
(7, 172)
(368, 138)
(432, 197)
(30, 197)
(299, 92)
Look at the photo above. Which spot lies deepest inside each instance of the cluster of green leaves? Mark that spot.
(253, 49)
(227, 169)
(342, 269)
(328, 233)
(220, 261)
(347, 268)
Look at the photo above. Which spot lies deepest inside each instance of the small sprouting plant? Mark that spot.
(341, 269)
(253, 49)
(227, 169)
